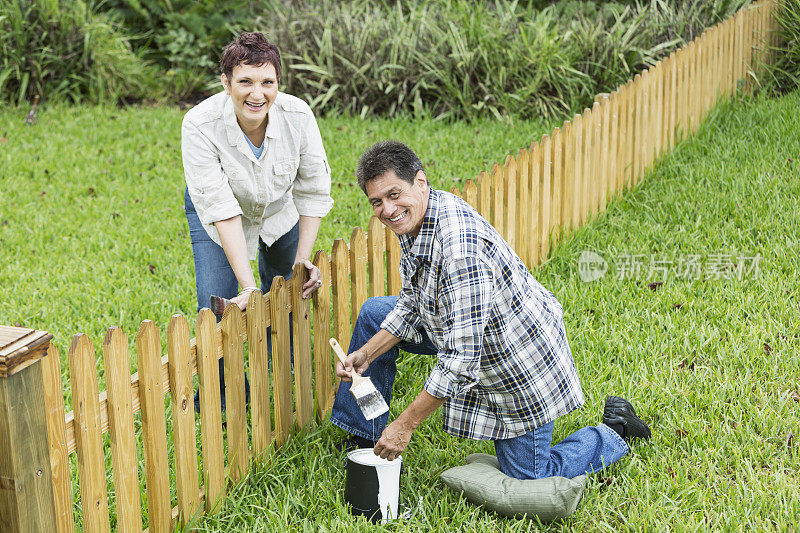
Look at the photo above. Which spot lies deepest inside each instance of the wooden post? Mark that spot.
(535, 171)
(544, 197)
(26, 482)
(556, 143)
(523, 206)
(575, 177)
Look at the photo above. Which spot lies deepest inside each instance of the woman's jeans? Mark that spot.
(214, 275)
(529, 456)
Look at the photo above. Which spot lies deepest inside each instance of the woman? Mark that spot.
(257, 177)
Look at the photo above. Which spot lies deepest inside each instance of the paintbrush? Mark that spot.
(367, 397)
(218, 304)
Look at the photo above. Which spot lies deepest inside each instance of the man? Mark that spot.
(504, 369)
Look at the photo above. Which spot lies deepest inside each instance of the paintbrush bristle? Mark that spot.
(369, 400)
(218, 304)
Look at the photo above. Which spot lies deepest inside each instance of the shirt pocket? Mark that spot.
(284, 172)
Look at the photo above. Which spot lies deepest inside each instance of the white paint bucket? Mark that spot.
(372, 485)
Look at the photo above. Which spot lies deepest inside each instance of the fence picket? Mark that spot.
(235, 409)
(210, 416)
(605, 138)
(56, 437)
(392, 262)
(154, 428)
(471, 193)
(613, 145)
(498, 197)
(510, 200)
(281, 359)
(121, 431)
(322, 330)
(183, 422)
(586, 162)
(376, 249)
(576, 174)
(565, 179)
(544, 197)
(523, 206)
(484, 195)
(88, 440)
(340, 276)
(555, 187)
(535, 172)
(301, 330)
(358, 269)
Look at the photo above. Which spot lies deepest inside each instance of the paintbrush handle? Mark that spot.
(337, 349)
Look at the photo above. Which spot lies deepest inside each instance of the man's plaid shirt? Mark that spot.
(503, 360)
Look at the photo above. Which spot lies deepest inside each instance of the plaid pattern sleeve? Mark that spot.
(403, 321)
(466, 298)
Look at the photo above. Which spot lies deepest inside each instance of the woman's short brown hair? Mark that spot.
(250, 48)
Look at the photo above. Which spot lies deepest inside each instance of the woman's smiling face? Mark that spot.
(253, 89)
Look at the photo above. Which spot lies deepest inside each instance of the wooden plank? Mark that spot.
(498, 197)
(535, 166)
(555, 187)
(471, 193)
(576, 176)
(340, 277)
(88, 440)
(358, 269)
(595, 176)
(639, 135)
(611, 163)
(510, 200)
(323, 360)
(376, 249)
(301, 331)
(281, 364)
(484, 196)
(673, 100)
(154, 428)
(24, 351)
(257, 314)
(544, 197)
(121, 431)
(208, 339)
(605, 148)
(235, 409)
(187, 476)
(565, 179)
(586, 164)
(56, 436)
(26, 483)
(523, 203)
(392, 262)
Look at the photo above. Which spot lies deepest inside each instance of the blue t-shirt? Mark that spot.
(256, 151)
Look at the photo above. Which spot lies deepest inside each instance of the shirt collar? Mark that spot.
(421, 246)
(234, 131)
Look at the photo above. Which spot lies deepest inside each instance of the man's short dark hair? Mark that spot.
(385, 156)
(250, 48)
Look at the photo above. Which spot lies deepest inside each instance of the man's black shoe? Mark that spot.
(619, 412)
(354, 442)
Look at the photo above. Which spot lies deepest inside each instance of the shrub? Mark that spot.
(65, 50)
(782, 72)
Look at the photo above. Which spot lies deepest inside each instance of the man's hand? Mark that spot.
(357, 360)
(314, 278)
(394, 440)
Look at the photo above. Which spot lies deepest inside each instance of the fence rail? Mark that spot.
(534, 199)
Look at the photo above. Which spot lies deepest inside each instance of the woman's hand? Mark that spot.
(358, 361)
(314, 278)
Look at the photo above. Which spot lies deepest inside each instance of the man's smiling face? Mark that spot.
(400, 205)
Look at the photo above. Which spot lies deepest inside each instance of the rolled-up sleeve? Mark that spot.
(312, 186)
(467, 300)
(403, 321)
(211, 194)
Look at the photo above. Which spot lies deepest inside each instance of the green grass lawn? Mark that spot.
(709, 360)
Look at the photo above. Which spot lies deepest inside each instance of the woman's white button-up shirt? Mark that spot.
(291, 178)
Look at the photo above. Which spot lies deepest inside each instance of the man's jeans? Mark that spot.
(528, 456)
(214, 275)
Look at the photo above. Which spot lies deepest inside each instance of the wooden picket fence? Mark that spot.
(533, 199)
